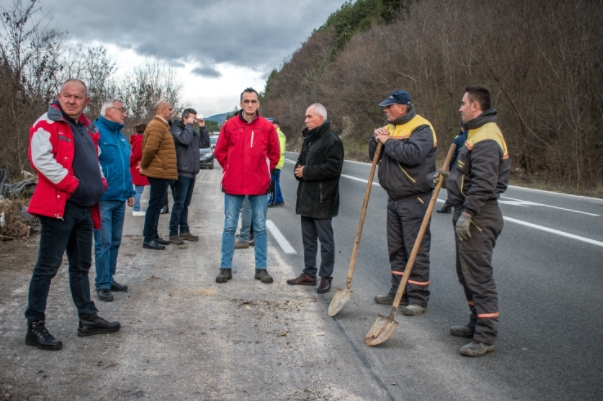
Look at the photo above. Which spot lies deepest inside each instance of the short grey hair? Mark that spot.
(107, 104)
(320, 110)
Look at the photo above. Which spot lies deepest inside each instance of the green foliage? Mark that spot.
(212, 126)
(358, 16)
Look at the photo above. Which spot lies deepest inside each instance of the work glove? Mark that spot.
(436, 177)
(462, 227)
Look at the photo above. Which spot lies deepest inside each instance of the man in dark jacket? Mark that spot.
(187, 141)
(318, 169)
(480, 175)
(406, 169)
(114, 157)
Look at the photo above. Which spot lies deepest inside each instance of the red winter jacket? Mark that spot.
(135, 158)
(247, 152)
(51, 151)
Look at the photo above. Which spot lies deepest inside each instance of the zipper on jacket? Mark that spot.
(476, 226)
(252, 135)
(320, 185)
(404, 171)
(462, 185)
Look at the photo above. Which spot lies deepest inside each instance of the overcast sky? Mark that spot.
(219, 47)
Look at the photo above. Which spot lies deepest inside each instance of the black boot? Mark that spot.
(94, 324)
(39, 336)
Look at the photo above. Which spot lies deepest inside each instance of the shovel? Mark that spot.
(384, 327)
(342, 296)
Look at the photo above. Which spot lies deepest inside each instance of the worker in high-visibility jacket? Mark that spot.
(479, 176)
(275, 197)
(406, 169)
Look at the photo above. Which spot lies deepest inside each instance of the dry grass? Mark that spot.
(13, 222)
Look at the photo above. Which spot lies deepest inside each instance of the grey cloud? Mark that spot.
(257, 35)
(207, 72)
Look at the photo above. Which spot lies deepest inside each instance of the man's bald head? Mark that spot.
(76, 84)
(163, 109)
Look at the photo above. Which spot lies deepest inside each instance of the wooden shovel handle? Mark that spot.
(415, 248)
(367, 195)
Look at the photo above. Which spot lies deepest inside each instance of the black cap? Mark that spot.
(397, 97)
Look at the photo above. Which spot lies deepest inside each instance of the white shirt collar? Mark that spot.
(164, 120)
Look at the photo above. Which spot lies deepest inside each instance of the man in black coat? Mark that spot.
(318, 169)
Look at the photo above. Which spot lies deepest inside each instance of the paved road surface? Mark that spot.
(185, 337)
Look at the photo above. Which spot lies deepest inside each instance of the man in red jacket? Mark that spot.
(248, 150)
(63, 149)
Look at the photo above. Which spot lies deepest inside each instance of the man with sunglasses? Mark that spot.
(188, 141)
(114, 158)
(248, 150)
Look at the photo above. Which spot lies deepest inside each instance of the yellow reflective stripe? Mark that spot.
(404, 171)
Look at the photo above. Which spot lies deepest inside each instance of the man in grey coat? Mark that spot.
(318, 169)
(188, 141)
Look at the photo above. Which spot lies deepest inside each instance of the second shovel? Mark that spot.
(343, 295)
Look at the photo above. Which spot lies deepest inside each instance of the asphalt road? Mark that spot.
(185, 337)
(549, 272)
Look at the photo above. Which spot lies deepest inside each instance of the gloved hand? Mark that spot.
(462, 226)
(436, 177)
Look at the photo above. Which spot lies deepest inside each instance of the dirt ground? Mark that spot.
(183, 336)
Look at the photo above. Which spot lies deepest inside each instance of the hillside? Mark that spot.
(542, 60)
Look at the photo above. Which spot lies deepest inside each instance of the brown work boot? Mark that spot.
(189, 237)
(324, 286)
(241, 244)
(461, 331)
(174, 239)
(263, 276)
(302, 280)
(476, 348)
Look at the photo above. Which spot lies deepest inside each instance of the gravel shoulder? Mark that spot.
(183, 336)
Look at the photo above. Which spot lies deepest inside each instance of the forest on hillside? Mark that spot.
(541, 59)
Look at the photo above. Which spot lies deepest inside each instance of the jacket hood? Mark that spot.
(488, 116)
(405, 118)
(55, 113)
(111, 126)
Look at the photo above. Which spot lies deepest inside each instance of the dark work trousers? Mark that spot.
(74, 234)
(157, 195)
(321, 229)
(474, 269)
(404, 219)
(182, 191)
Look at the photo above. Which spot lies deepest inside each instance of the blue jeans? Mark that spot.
(245, 221)
(139, 189)
(232, 208)
(107, 241)
(276, 195)
(182, 191)
(157, 199)
(74, 234)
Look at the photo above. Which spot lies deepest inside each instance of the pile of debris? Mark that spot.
(15, 222)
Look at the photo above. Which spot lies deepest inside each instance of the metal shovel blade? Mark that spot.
(342, 296)
(382, 329)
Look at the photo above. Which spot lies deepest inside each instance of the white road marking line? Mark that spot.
(553, 231)
(557, 193)
(280, 238)
(359, 179)
(519, 202)
(290, 161)
(517, 187)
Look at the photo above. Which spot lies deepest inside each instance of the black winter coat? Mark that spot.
(188, 142)
(322, 158)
